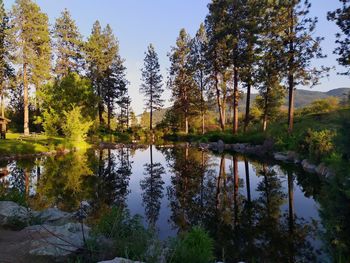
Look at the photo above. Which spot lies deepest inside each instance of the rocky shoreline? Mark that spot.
(267, 150)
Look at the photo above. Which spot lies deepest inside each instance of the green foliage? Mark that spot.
(195, 246)
(51, 123)
(321, 106)
(13, 195)
(75, 126)
(319, 144)
(131, 239)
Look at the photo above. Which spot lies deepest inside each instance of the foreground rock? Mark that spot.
(10, 211)
(58, 242)
(120, 260)
(54, 216)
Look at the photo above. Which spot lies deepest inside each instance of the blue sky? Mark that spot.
(136, 23)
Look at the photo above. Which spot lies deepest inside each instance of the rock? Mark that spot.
(324, 171)
(204, 146)
(10, 210)
(54, 216)
(120, 260)
(221, 146)
(288, 157)
(279, 156)
(308, 167)
(58, 242)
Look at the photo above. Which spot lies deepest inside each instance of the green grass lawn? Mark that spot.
(17, 144)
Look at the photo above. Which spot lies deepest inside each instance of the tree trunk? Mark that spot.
(2, 105)
(186, 124)
(236, 187)
(291, 75)
(291, 215)
(235, 100)
(265, 122)
(221, 117)
(109, 115)
(291, 104)
(246, 166)
(247, 108)
(202, 104)
(151, 119)
(25, 100)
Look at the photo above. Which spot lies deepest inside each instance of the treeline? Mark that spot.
(266, 45)
(242, 45)
(74, 84)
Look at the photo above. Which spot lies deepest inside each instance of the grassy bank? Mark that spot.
(320, 137)
(16, 144)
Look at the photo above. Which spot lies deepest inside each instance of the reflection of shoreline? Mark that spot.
(16, 157)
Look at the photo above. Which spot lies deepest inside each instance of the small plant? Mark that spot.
(131, 239)
(319, 144)
(195, 246)
(75, 127)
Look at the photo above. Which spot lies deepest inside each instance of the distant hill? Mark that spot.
(302, 99)
(305, 97)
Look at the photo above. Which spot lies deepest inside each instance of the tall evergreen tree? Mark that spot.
(301, 47)
(152, 86)
(100, 49)
(31, 40)
(341, 16)
(181, 80)
(217, 55)
(198, 61)
(6, 71)
(114, 86)
(68, 45)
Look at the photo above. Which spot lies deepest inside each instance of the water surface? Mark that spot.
(254, 210)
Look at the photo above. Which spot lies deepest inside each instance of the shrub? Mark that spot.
(321, 106)
(51, 122)
(195, 246)
(319, 144)
(131, 239)
(75, 127)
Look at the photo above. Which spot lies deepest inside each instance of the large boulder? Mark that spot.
(58, 242)
(120, 260)
(10, 210)
(54, 216)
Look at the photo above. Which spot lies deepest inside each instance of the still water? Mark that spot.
(254, 210)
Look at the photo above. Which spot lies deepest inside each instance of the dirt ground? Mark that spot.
(15, 245)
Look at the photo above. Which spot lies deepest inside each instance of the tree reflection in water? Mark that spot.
(243, 228)
(247, 207)
(152, 187)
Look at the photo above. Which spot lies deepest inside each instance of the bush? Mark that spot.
(75, 128)
(321, 106)
(131, 239)
(195, 246)
(319, 144)
(51, 122)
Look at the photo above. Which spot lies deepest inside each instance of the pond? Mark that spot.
(254, 210)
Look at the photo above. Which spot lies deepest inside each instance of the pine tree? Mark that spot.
(234, 31)
(251, 29)
(301, 47)
(114, 85)
(341, 16)
(100, 49)
(152, 82)
(199, 47)
(6, 71)
(68, 46)
(217, 56)
(31, 40)
(180, 79)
